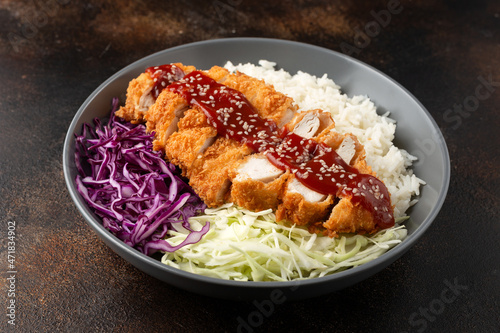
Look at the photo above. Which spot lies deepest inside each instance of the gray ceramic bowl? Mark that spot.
(416, 132)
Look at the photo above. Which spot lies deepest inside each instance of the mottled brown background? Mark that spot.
(53, 54)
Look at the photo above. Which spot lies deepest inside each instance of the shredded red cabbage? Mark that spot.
(138, 195)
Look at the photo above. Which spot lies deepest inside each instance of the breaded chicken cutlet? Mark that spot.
(231, 135)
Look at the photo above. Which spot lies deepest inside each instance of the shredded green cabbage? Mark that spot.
(245, 246)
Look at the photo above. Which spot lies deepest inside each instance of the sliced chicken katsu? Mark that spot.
(146, 90)
(143, 90)
(259, 185)
(238, 140)
(186, 135)
(210, 172)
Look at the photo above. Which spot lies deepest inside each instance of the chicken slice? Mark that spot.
(349, 149)
(209, 175)
(347, 217)
(257, 184)
(301, 205)
(193, 137)
(346, 145)
(164, 115)
(140, 97)
(309, 124)
(258, 167)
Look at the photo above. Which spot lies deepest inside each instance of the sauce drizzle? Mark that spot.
(163, 76)
(316, 165)
(321, 169)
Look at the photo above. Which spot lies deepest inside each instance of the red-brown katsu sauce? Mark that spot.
(163, 76)
(321, 169)
(316, 165)
(228, 111)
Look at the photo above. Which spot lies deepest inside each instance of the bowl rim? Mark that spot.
(112, 241)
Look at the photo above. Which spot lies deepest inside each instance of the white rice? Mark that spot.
(356, 115)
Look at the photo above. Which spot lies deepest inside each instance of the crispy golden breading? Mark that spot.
(300, 205)
(298, 210)
(164, 115)
(349, 218)
(363, 167)
(185, 69)
(218, 74)
(345, 216)
(139, 97)
(256, 195)
(209, 175)
(138, 100)
(193, 136)
(269, 103)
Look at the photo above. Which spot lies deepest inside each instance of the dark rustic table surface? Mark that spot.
(54, 53)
